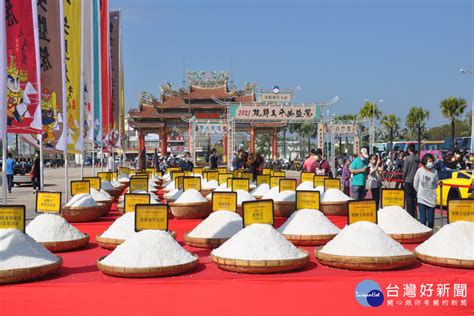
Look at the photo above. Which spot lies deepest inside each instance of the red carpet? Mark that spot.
(80, 289)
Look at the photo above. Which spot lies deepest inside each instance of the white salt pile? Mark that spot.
(156, 178)
(173, 195)
(209, 184)
(18, 250)
(306, 186)
(455, 241)
(122, 228)
(123, 178)
(320, 188)
(243, 196)
(396, 220)
(148, 248)
(190, 196)
(106, 185)
(334, 195)
(222, 188)
(285, 196)
(116, 184)
(272, 193)
(308, 222)
(260, 190)
(51, 228)
(81, 200)
(220, 224)
(364, 239)
(170, 186)
(100, 196)
(139, 192)
(258, 242)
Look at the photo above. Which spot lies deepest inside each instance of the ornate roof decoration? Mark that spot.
(203, 79)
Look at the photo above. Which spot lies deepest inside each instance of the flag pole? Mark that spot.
(41, 186)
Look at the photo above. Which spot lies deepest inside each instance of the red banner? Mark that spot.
(23, 112)
(107, 115)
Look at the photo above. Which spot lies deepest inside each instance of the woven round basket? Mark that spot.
(82, 214)
(445, 262)
(206, 192)
(106, 205)
(258, 197)
(111, 243)
(365, 263)
(114, 192)
(283, 208)
(150, 272)
(60, 246)
(209, 243)
(191, 210)
(411, 238)
(309, 240)
(28, 274)
(260, 266)
(334, 208)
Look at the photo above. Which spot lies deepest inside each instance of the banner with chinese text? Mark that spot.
(272, 112)
(105, 70)
(88, 73)
(115, 74)
(97, 74)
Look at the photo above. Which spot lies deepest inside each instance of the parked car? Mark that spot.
(21, 173)
(448, 177)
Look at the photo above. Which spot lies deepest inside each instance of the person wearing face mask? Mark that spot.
(425, 183)
(374, 179)
(187, 164)
(358, 170)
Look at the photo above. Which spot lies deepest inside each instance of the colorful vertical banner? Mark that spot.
(105, 70)
(23, 85)
(3, 70)
(88, 72)
(73, 52)
(122, 99)
(115, 72)
(97, 75)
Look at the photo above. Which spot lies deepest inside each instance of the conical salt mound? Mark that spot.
(52, 228)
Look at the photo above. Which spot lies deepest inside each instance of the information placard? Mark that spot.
(78, 187)
(275, 181)
(13, 216)
(173, 169)
(393, 197)
(318, 180)
(105, 176)
(257, 212)
(332, 183)
(277, 173)
(236, 173)
(198, 170)
(222, 170)
(151, 171)
(308, 199)
(151, 216)
(124, 170)
(223, 177)
(239, 184)
(48, 202)
(212, 175)
(263, 178)
(178, 183)
(191, 183)
(363, 210)
(266, 171)
(460, 210)
(287, 185)
(132, 199)
(188, 174)
(247, 175)
(224, 201)
(94, 182)
(139, 184)
(307, 177)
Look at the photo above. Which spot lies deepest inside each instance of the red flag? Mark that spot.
(107, 116)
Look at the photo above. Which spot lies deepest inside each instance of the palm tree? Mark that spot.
(370, 111)
(346, 118)
(416, 121)
(453, 108)
(309, 129)
(391, 123)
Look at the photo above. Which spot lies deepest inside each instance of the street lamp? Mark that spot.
(465, 71)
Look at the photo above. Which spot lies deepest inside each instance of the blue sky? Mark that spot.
(404, 52)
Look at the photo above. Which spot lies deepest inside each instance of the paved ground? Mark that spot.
(53, 180)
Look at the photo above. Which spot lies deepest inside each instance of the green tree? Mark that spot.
(391, 123)
(309, 129)
(295, 128)
(453, 108)
(263, 143)
(370, 111)
(346, 118)
(416, 121)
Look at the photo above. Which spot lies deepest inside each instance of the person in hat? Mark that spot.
(358, 170)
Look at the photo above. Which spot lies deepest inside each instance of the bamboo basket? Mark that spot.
(191, 210)
(206, 192)
(82, 214)
(111, 243)
(150, 272)
(260, 266)
(309, 240)
(283, 208)
(445, 262)
(114, 192)
(209, 243)
(28, 274)
(60, 246)
(106, 205)
(365, 263)
(334, 208)
(417, 238)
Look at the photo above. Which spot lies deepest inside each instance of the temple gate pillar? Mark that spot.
(252, 140)
(275, 144)
(163, 142)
